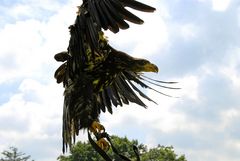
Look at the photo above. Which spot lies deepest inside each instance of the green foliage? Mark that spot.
(84, 152)
(13, 155)
(161, 153)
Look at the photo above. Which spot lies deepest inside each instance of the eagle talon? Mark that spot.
(103, 144)
(96, 127)
(98, 130)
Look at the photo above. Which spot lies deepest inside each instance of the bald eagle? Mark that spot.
(95, 75)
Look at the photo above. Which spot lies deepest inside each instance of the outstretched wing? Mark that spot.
(111, 14)
(124, 90)
(87, 39)
(94, 15)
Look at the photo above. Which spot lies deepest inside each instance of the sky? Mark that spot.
(194, 42)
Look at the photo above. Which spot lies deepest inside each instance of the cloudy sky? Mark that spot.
(194, 42)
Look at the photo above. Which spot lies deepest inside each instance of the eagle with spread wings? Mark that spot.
(96, 76)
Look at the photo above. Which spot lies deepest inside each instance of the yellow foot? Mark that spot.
(96, 127)
(103, 144)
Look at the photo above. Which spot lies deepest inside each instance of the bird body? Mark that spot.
(94, 74)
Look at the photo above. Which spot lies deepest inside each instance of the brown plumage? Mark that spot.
(95, 75)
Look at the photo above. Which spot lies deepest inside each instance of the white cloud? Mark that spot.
(28, 45)
(142, 40)
(33, 114)
(220, 5)
(204, 120)
(33, 119)
(189, 87)
(231, 68)
(189, 31)
(228, 116)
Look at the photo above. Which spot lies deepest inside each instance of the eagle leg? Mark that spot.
(97, 129)
(103, 144)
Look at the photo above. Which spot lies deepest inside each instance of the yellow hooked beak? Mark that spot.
(150, 68)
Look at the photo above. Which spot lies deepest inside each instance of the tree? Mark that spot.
(161, 153)
(13, 155)
(83, 151)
